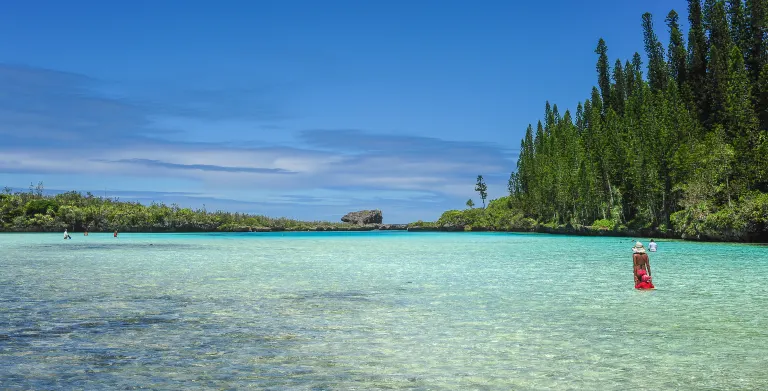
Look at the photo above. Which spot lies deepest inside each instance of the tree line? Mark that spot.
(33, 211)
(679, 143)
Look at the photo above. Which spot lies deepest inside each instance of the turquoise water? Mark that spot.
(378, 310)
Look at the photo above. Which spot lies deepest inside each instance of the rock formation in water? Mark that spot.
(363, 217)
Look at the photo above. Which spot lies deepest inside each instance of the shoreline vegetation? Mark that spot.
(32, 211)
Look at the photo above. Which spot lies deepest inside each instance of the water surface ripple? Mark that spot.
(378, 310)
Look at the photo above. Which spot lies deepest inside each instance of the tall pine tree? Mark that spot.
(603, 71)
(757, 56)
(697, 59)
(619, 90)
(677, 53)
(718, 69)
(657, 70)
(739, 27)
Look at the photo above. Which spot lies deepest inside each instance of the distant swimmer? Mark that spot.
(652, 246)
(115, 235)
(640, 261)
(66, 234)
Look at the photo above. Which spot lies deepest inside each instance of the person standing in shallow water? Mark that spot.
(640, 261)
(652, 246)
(646, 281)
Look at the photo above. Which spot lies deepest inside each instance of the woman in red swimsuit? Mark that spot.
(645, 281)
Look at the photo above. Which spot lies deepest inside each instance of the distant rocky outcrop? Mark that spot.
(363, 217)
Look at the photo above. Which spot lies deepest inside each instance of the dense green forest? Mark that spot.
(675, 145)
(33, 211)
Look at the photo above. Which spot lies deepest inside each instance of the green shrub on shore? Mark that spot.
(32, 211)
(498, 216)
(745, 220)
(424, 224)
(604, 224)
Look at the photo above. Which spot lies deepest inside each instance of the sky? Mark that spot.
(301, 109)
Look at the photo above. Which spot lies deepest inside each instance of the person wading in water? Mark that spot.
(640, 261)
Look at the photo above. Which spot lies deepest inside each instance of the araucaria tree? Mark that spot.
(679, 143)
(481, 189)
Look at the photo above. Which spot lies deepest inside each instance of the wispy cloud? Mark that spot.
(201, 167)
(359, 140)
(59, 108)
(58, 123)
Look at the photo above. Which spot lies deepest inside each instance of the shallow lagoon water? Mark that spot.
(378, 310)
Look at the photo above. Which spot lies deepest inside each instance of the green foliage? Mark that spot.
(41, 206)
(498, 216)
(424, 224)
(753, 210)
(657, 71)
(678, 63)
(604, 224)
(603, 71)
(31, 211)
(481, 188)
(684, 150)
(458, 217)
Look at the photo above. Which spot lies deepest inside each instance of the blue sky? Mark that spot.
(304, 109)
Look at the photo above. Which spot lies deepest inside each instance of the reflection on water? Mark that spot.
(320, 311)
